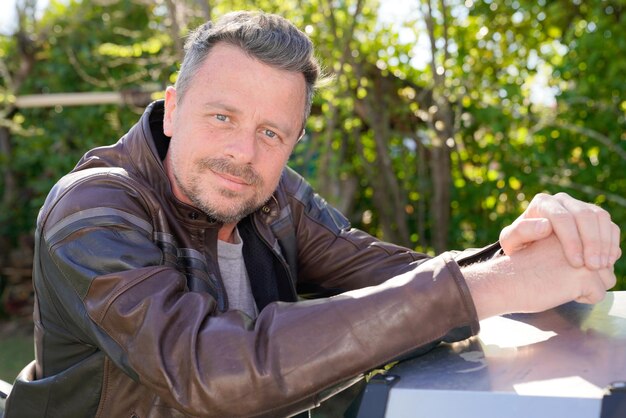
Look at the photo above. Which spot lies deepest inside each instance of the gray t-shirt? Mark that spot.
(235, 276)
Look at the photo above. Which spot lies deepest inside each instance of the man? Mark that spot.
(167, 265)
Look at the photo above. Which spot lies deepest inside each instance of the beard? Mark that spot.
(233, 207)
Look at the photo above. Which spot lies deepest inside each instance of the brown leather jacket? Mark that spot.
(131, 318)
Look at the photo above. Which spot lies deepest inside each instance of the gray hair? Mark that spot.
(269, 38)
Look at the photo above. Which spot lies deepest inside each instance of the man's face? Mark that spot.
(232, 133)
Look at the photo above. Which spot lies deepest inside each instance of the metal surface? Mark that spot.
(373, 401)
(556, 363)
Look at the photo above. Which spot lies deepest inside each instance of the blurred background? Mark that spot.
(441, 120)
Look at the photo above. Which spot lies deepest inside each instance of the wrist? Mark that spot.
(490, 283)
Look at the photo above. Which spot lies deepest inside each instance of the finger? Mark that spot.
(587, 221)
(565, 228)
(605, 225)
(595, 287)
(608, 277)
(593, 297)
(534, 207)
(616, 251)
(522, 232)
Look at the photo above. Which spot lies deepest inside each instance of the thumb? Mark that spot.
(523, 232)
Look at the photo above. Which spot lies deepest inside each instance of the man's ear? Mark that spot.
(170, 110)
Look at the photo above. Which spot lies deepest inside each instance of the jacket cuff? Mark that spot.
(477, 255)
(453, 265)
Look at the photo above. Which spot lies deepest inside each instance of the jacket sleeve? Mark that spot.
(113, 290)
(337, 257)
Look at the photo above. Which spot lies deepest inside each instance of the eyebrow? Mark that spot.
(221, 105)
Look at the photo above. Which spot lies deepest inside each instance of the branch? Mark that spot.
(175, 29)
(206, 9)
(81, 73)
(16, 128)
(446, 53)
(6, 74)
(430, 26)
(342, 44)
(601, 138)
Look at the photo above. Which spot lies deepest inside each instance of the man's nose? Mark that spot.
(242, 146)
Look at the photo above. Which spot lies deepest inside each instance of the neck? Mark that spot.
(227, 233)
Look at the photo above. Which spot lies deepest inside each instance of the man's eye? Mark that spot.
(269, 134)
(221, 118)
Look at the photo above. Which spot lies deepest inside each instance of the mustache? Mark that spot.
(224, 166)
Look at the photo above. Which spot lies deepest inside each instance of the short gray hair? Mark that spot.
(269, 38)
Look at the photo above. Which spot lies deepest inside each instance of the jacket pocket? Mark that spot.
(59, 395)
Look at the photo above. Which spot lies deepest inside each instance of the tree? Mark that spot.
(432, 148)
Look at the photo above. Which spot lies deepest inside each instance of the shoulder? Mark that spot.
(298, 193)
(101, 192)
(294, 185)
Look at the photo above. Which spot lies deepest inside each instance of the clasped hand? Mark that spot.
(588, 236)
(589, 239)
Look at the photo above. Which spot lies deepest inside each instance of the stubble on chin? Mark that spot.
(226, 206)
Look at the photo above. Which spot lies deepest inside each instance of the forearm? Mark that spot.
(204, 363)
(491, 285)
(533, 279)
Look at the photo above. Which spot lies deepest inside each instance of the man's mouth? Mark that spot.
(232, 174)
(231, 178)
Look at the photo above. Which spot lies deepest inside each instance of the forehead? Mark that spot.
(231, 76)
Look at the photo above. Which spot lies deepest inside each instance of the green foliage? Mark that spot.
(16, 351)
(47, 142)
(534, 89)
(576, 143)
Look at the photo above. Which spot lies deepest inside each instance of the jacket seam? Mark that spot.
(337, 236)
(66, 279)
(105, 389)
